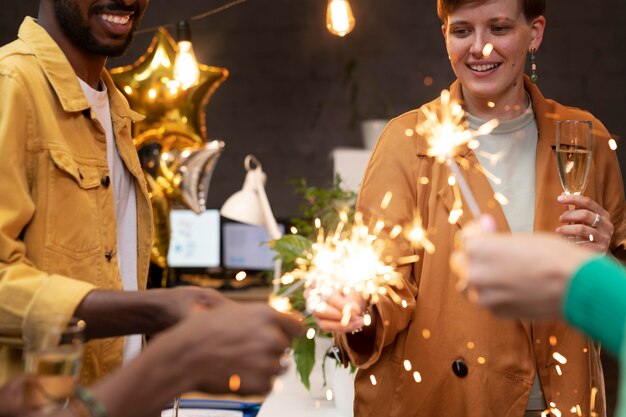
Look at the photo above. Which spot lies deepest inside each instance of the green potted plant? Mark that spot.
(324, 203)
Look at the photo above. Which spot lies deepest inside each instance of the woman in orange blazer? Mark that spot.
(440, 355)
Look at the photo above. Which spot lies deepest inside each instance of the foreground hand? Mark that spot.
(522, 275)
(12, 398)
(332, 317)
(587, 219)
(178, 303)
(235, 347)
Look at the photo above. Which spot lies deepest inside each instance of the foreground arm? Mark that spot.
(595, 302)
(542, 276)
(118, 313)
(202, 353)
(209, 351)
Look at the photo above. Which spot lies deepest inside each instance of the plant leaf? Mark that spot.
(304, 356)
(291, 247)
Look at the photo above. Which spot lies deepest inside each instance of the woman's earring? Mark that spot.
(533, 66)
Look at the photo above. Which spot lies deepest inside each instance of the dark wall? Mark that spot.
(288, 101)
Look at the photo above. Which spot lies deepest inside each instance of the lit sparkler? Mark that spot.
(446, 134)
(349, 261)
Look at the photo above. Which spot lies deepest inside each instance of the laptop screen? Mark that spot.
(194, 239)
(245, 247)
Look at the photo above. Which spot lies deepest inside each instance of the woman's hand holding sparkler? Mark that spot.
(341, 313)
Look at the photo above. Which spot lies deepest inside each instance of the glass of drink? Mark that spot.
(574, 145)
(53, 355)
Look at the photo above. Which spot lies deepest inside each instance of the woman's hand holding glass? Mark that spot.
(584, 221)
(588, 221)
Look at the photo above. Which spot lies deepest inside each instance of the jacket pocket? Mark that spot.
(72, 218)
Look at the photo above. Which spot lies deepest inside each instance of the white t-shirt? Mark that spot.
(125, 205)
(509, 152)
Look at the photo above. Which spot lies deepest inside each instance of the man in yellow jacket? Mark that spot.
(75, 217)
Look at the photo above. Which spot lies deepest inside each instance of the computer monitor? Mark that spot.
(245, 247)
(194, 239)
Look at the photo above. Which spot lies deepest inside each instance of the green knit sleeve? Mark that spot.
(595, 301)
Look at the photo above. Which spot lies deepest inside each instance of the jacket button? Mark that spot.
(106, 180)
(459, 367)
(108, 255)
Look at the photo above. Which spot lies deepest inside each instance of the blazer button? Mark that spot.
(108, 255)
(459, 367)
(105, 181)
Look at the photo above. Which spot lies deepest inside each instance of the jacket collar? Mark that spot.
(62, 77)
(546, 124)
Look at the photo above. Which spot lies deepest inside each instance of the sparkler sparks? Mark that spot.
(446, 134)
(329, 394)
(280, 303)
(559, 358)
(373, 380)
(234, 383)
(417, 236)
(346, 261)
(501, 199)
(487, 49)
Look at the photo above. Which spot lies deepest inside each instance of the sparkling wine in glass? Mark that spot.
(573, 152)
(574, 146)
(52, 364)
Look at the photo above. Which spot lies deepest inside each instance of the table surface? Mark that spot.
(290, 398)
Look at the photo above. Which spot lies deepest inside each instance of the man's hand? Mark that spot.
(588, 220)
(234, 347)
(176, 304)
(12, 398)
(230, 348)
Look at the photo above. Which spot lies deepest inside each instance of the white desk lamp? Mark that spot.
(251, 206)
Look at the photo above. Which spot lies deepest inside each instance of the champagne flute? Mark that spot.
(574, 146)
(52, 362)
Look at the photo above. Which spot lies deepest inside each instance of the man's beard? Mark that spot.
(68, 15)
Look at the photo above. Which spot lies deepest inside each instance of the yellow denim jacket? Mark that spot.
(57, 217)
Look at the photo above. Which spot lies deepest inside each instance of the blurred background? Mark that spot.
(296, 92)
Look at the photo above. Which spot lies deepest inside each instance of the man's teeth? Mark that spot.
(481, 68)
(120, 20)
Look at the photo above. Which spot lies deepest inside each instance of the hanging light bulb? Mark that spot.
(186, 70)
(339, 17)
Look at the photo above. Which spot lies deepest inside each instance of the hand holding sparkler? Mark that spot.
(342, 313)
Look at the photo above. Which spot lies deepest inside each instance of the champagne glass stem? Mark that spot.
(176, 406)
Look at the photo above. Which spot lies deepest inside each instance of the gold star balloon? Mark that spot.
(151, 89)
(171, 140)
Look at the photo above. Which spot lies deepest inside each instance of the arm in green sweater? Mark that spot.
(595, 302)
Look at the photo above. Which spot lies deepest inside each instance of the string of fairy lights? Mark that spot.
(339, 21)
